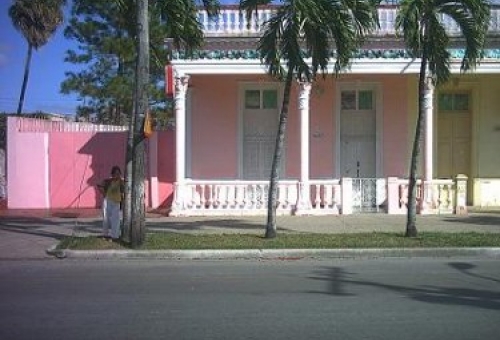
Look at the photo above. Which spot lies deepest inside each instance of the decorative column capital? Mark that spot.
(305, 85)
(304, 95)
(429, 83)
(181, 83)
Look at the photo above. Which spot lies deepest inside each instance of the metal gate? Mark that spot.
(368, 195)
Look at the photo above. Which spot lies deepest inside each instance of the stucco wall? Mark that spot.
(78, 162)
(54, 169)
(215, 119)
(27, 168)
(166, 167)
(395, 126)
(487, 123)
(214, 127)
(322, 129)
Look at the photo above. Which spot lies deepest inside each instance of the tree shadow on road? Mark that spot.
(340, 280)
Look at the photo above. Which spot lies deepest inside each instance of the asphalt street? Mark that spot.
(405, 298)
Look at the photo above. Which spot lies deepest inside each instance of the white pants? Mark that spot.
(111, 218)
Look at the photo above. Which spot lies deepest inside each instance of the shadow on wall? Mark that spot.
(78, 162)
(166, 167)
(81, 160)
(101, 152)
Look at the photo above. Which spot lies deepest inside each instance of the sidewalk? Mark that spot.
(27, 234)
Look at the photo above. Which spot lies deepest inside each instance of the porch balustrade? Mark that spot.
(251, 197)
(439, 196)
(237, 197)
(326, 197)
(232, 22)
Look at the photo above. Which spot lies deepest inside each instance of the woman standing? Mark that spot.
(113, 190)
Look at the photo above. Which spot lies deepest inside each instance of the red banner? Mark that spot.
(169, 81)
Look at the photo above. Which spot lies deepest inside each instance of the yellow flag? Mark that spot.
(148, 125)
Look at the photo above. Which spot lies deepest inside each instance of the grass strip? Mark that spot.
(179, 241)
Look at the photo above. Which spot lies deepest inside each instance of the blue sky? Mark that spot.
(46, 73)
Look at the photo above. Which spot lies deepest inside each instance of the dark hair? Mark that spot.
(115, 169)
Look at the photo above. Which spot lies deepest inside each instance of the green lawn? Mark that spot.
(160, 241)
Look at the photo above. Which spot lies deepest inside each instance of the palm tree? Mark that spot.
(426, 38)
(299, 30)
(181, 18)
(37, 21)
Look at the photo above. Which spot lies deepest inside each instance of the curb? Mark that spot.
(274, 254)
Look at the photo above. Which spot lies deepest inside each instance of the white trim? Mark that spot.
(358, 66)
(379, 133)
(189, 132)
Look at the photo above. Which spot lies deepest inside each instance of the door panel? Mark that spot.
(259, 137)
(357, 143)
(453, 144)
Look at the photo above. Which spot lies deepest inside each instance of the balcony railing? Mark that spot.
(232, 22)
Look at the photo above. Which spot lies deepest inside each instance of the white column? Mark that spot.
(304, 201)
(427, 195)
(429, 127)
(181, 85)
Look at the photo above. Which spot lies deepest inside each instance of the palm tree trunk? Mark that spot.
(138, 211)
(127, 204)
(25, 79)
(411, 221)
(275, 169)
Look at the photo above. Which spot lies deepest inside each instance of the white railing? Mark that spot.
(326, 197)
(237, 197)
(251, 197)
(439, 196)
(43, 125)
(232, 22)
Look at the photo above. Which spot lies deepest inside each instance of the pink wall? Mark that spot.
(55, 169)
(322, 129)
(61, 169)
(166, 167)
(27, 168)
(214, 127)
(215, 119)
(292, 146)
(395, 129)
(78, 162)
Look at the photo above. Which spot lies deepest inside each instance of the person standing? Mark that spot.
(113, 190)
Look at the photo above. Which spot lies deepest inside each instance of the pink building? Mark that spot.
(348, 141)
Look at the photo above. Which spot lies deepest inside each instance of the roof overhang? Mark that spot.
(358, 66)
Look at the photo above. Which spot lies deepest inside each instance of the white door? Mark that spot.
(260, 126)
(358, 134)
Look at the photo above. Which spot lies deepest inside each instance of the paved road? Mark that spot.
(331, 299)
